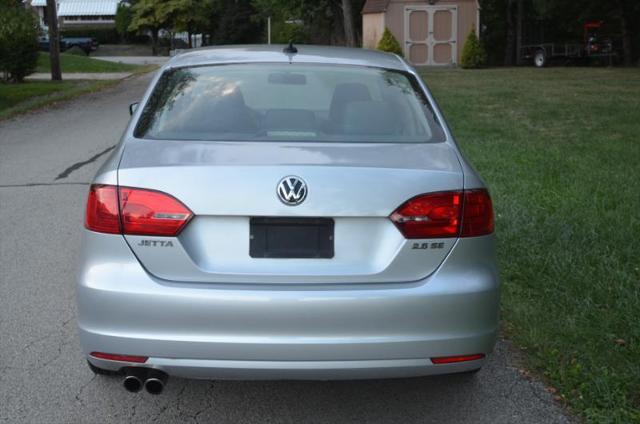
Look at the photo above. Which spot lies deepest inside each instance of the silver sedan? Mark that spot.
(275, 212)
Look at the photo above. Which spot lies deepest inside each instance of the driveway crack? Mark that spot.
(41, 184)
(78, 165)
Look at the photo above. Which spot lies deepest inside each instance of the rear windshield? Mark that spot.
(289, 102)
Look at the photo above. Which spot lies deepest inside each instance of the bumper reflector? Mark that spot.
(120, 358)
(455, 359)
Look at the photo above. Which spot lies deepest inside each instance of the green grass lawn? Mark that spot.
(73, 63)
(13, 94)
(560, 151)
(18, 98)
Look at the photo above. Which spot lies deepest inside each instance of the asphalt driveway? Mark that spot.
(47, 159)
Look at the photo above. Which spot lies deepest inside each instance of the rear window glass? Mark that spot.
(288, 102)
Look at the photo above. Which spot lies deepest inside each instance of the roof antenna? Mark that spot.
(290, 49)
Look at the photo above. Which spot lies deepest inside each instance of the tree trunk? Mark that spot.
(54, 42)
(520, 13)
(508, 54)
(349, 32)
(627, 42)
(154, 41)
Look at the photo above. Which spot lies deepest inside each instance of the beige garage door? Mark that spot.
(431, 35)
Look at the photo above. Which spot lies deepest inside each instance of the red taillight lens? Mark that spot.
(466, 213)
(478, 214)
(434, 215)
(456, 359)
(120, 358)
(151, 213)
(135, 211)
(102, 210)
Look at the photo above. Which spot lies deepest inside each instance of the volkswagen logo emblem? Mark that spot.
(292, 190)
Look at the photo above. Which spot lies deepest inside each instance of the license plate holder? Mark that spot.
(291, 238)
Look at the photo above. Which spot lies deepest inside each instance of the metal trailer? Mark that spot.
(592, 47)
(541, 54)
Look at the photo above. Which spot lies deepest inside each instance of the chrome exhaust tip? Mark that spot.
(155, 382)
(133, 380)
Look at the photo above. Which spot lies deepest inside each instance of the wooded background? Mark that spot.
(504, 23)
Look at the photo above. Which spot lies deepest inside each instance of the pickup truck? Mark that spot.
(87, 44)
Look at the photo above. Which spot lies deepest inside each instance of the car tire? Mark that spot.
(540, 59)
(101, 371)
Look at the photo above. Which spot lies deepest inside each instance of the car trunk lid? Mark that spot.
(226, 185)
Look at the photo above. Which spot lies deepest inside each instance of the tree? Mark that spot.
(149, 15)
(189, 16)
(233, 22)
(124, 16)
(18, 41)
(473, 54)
(347, 15)
(325, 21)
(623, 11)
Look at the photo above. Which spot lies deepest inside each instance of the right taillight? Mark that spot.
(134, 211)
(467, 213)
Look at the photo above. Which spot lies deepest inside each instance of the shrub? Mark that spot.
(388, 43)
(473, 53)
(18, 41)
(283, 32)
(76, 51)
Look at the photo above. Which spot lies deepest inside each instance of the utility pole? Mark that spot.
(54, 44)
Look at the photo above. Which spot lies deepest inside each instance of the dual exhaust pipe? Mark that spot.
(150, 379)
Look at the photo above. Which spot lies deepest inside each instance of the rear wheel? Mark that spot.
(101, 371)
(540, 59)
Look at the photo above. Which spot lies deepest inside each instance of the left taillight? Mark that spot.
(102, 215)
(135, 211)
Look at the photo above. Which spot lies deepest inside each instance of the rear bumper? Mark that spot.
(297, 370)
(242, 331)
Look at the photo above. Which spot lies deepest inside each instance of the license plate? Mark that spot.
(293, 238)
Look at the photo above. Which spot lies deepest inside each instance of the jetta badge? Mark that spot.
(292, 190)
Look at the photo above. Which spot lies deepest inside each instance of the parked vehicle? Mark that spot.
(286, 214)
(594, 46)
(87, 44)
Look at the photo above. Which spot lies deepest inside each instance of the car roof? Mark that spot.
(274, 54)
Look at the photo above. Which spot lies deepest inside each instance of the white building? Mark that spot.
(80, 12)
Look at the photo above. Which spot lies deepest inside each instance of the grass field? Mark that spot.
(560, 150)
(72, 63)
(18, 98)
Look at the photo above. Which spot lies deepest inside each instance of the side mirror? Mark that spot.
(133, 107)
